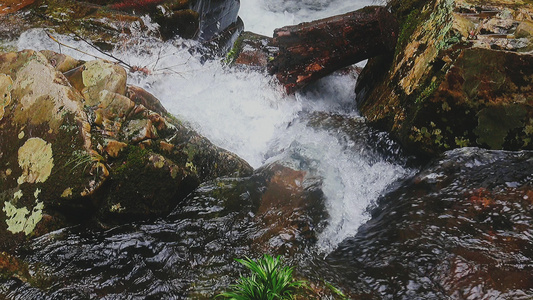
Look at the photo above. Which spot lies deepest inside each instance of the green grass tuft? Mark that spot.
(269, 280)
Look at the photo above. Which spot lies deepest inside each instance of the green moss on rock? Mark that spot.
(450, 83)
(111, 160)
(495, 123)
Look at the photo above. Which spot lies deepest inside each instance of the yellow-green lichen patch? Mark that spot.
(116, 208)
(66, 193)
(36, 161)
(6, 84)
(96, 71)
(43, 93)
(35, 217)
(17, 195)
(17, 219)
(158, 161)
(189, 165)
(99, 75)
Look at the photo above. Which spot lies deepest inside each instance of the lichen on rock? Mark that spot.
(461, 69)
(6, 84)
(20, 219)
(65, 135)
(98, 76)
(36, 160)
(44, 98)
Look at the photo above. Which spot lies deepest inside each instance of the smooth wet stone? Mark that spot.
(461, 228)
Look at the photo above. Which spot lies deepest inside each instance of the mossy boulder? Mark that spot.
(42, 123)
(120, 23)
(79, 146)
(461, 75)
(104, 27)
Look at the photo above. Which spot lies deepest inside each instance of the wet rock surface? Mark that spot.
(291, 211)
(188, 254)
(461, 76)
(251, 50)
(74, 147)
(110, 24)
(103, 151)
(460, 229)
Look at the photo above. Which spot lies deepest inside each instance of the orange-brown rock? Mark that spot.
(10, 6)
(290, 210)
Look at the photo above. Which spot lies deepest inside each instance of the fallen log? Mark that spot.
(311, 50)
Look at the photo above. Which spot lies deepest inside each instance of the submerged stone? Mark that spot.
(291, 211)
(277, 210)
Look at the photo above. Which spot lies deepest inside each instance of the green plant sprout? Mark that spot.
(79, 158)
(270, 280)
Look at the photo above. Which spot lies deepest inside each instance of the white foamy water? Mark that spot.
(352, 178)
(263, 16)
(248, 113)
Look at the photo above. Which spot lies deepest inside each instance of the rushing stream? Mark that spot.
(386, 233)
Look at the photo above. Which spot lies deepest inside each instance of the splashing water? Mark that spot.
(263, 16)
(248, 113)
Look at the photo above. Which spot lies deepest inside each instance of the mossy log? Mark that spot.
(309, 51)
